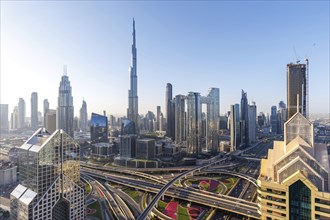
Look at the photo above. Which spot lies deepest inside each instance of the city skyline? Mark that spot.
(174, 50)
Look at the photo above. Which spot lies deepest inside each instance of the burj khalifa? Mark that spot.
(133, 109)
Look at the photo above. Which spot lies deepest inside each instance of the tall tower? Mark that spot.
(83, 123)
(4, 122)
(180, 119)
(244, 125)
(64, 112)
(133, 109)
(21, 113)
(34, 110)
(296, 84)
(194, 123)
(252, 110)
(169, 111)
(212, 120)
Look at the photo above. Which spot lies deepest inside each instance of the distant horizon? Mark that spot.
(192, 45)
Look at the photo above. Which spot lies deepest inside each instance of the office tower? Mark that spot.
(145, 149)
(244, 121)
(281, 116)
(4, 120)
(133, 111)
(261, 120)
(34, 110)
(212, 120)
(128, 146)
(296, 85)
(99, 128)
(64, 114)
(161, 122)
(50, 120)
(83, 123)
(158, 118)
(252, 122)
(169, 112)
(112, 120)
(294, 179)
(234, 127)
(46, 108)
(21, 113)
(194, 123)
(180, 119)
(49, 176)
(273, 120)
(14, 119)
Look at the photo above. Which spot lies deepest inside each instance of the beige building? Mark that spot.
(294, 180)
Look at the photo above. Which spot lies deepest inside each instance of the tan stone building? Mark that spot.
(294, 179)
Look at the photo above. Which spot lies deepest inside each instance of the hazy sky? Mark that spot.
(193, 45)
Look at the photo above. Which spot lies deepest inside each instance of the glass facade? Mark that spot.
(99, 128)
(300, 201)
(49, 170)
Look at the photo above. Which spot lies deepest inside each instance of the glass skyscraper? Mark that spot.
(99, 128)
(65, 111)
(49, 176)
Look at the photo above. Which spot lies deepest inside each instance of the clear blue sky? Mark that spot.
(193, 45)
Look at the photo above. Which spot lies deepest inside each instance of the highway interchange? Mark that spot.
(239, 201)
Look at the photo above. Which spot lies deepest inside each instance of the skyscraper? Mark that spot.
(212, 119)
(158, 121)
(296, 85)
(64, 114)
(99, 128)
(244, 121)
(294, 179)
(14, 119)
(235, 138)
(4, 122)
(34, 110)
(21, 113)
(273, 120)
(252, 122)
(83, 123)
(169, 111)
(46, 109)
(180, 118)
(49, 178)
(194, 123)
(133, 109)
(50, 120)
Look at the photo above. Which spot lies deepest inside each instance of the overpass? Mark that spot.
(218, 201)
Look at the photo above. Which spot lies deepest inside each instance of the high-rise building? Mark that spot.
(4, 120)
(244, 120)
(158, 121)
(49, 176)
(194, 123)
(34, 110)
(50, 120)
(169, 111)
(65, 111)
(14, 119)
(294, 179)
(273, 120)
(83, 122)
(127, 146)
(252, 122)
(21, 113)
(99, 128)
(212, 119)
(296, 85)
(180, 119)
(235, 139)
(145, 149)
(133, 108)
(46, 108)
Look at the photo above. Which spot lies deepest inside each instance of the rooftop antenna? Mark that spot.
(65, 71)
